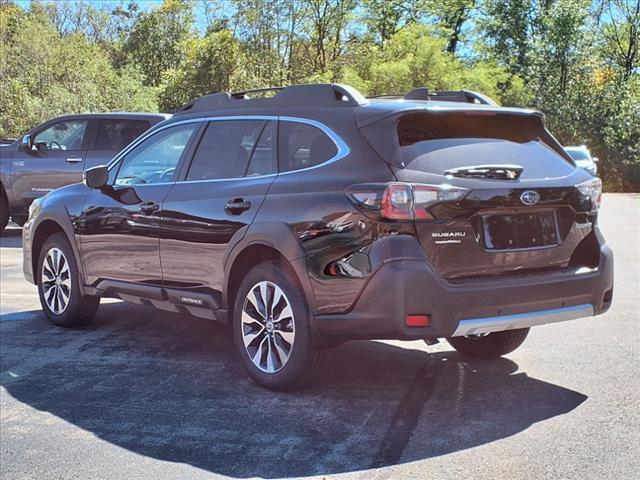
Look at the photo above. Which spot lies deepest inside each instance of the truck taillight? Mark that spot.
(403, 201)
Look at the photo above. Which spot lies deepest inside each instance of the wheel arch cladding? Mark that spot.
(258, 245)
(249, 257)
(44, 230)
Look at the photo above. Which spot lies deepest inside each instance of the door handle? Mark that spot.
(237, 206)
(73, 159)
(149, 207)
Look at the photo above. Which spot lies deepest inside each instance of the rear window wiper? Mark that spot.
(493, 172)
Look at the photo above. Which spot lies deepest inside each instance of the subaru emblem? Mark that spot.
(530, 197)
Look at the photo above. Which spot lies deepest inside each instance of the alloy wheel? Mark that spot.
(56, 281)
(268, 326)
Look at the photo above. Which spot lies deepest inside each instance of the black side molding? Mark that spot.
(178, 300)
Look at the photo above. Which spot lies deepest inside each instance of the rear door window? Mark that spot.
(263, 160)
(115, 134)
(225, 149)
(301, 145)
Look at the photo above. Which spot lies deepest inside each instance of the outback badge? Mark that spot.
(530, 197)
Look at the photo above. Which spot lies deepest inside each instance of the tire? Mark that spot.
(285, 358)
(4, 210)
(492, 345)
(57, 275)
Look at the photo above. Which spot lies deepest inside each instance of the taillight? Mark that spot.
(425, 196)
(397, 202)
(403, 201)
(592, 189)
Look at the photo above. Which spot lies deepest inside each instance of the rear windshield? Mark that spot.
(438, 142)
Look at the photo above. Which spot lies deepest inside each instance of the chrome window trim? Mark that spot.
(343, 148)
(133, 145)
(225, 179)
(152, 132)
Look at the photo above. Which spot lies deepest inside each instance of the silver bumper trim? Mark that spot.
(476, 326)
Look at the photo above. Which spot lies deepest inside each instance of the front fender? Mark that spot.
(53, 214)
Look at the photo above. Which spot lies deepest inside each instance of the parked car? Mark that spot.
(55, 154)
(318, 216)
(582, 156)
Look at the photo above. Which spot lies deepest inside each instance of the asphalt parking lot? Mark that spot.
(146, 394)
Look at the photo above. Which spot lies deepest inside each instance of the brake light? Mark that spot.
(592, 189)
(425, 196)
(402, 201)
(397, 202)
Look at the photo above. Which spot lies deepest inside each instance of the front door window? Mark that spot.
(64, 135)
(156, 158)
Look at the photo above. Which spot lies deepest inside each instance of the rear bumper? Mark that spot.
(477, 326)
(410, 287)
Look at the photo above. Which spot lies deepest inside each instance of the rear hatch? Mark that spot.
(522, 212)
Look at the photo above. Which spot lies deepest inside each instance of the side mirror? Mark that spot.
(595, 159)
(96, 177)
(27, 143)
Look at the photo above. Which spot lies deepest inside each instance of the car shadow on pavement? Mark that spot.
(11, 237)
(172, 388)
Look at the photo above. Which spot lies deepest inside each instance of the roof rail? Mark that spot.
(420, 93)
(311, 95)
(464, 96)
(423, 93)
(243, 95)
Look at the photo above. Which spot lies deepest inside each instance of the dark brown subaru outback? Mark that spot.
(316, 216)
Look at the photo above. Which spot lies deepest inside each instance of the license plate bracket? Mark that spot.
(520, 231)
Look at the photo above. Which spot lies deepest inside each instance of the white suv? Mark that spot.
(582, 156)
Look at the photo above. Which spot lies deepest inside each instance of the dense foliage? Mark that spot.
(576, 60)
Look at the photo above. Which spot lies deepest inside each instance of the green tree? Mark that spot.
(508, 31)
(452, 15)
(384, 18)
(580, 66)
(575, 60)
(212, 64)
(267, 29)
(326, 24)
(44, 74)
(158, 39)
(416, 57)
(622, 35)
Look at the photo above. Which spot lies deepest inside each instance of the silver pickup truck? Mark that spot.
(56, 152)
